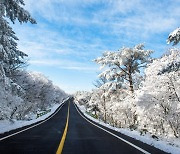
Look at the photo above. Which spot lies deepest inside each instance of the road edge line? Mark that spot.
(61, 145)
(3, 138)
(131, 144)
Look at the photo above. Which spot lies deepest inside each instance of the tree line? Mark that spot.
(22, 93)
(137, 91)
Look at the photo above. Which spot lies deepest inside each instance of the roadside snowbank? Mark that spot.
(170, 147)
(6, 125)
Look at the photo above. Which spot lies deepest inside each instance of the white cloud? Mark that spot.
(116, 17)
(128, 21)
(41, 41)
(70, 33)
(64, 64)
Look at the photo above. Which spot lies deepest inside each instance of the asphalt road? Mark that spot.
(82, 138)
(43, 139)
(85, 138)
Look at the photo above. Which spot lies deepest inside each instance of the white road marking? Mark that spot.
(138, 148)
(3, 138)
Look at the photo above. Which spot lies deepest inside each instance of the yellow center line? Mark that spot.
(60, 148)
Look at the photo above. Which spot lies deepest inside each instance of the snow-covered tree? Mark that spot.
(82, 97)
(21, 93)
(10, 56)
(26, 94)
(103, 89)
(121, 66)
(174, 36)
(174, 63)
(160, 96)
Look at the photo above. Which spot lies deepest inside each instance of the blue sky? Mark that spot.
(71, 33)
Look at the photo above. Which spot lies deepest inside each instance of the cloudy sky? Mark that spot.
(71, 33)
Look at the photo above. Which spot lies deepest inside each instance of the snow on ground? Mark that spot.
(170, 147)
(6, 125)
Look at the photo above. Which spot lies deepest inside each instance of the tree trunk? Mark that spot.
(174, 130)
(131, 84)
(130, 79)
(13, 112)
(105, 115)
(104, 102)
(174, 89)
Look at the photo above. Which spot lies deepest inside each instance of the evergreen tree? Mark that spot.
(174, 37)
(174, 63)
(10, 56)
(120, 66)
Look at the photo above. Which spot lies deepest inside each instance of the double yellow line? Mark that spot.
(60, 148)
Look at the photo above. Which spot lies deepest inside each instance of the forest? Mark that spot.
(136, 91)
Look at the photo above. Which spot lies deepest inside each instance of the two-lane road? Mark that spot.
(82, 138)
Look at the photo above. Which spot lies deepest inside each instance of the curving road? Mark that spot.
(82, 138)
